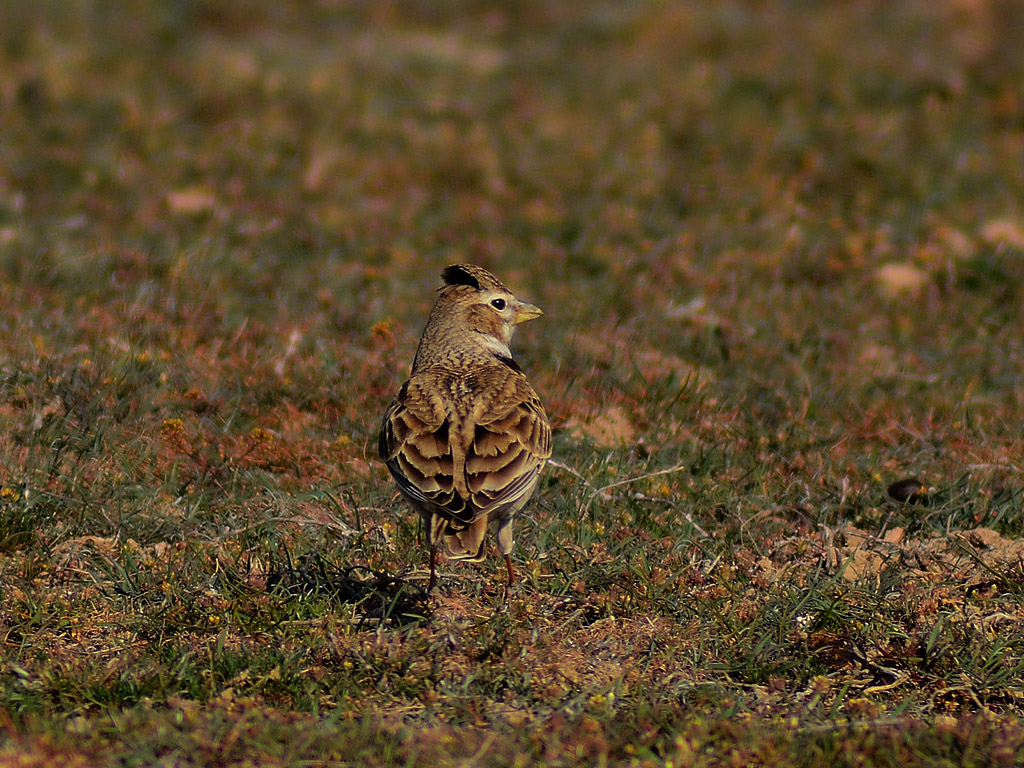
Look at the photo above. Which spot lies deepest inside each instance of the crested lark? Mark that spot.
(466, 436)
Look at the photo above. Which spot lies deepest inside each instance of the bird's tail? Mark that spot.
(467, 544)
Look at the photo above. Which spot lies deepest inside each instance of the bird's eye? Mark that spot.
(498, 304)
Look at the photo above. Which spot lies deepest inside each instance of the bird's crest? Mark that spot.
(477, 278)
(457, 274)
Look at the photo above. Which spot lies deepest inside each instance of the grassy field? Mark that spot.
(780, 249)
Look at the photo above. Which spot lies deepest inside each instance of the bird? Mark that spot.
(466, 437)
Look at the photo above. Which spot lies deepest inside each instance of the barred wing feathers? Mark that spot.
(465, 446)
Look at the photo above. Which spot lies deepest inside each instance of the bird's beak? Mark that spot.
(526, 311)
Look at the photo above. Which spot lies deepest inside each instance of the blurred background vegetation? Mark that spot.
(780, 249)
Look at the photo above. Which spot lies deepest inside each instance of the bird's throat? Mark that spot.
(495, 345)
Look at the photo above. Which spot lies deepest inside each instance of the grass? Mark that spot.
(780, 250)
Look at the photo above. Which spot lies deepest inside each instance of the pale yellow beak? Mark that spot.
(526, 311)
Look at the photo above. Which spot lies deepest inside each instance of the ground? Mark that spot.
(780, 251)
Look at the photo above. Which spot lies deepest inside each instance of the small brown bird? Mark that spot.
(466, 436)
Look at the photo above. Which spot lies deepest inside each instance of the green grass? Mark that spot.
(779, 248)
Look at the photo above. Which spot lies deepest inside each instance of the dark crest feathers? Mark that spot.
(457, 275)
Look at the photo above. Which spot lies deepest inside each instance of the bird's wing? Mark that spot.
(464, 446)
(507, 445)
(415, 444)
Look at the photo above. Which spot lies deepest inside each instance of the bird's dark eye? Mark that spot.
(498, 304)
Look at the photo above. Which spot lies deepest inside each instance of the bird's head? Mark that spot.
(476, 309)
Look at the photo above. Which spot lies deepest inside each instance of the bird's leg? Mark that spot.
(511, 579)
(433, 569)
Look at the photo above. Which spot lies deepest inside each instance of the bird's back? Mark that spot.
(465, 443)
